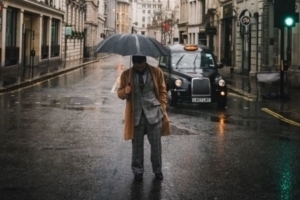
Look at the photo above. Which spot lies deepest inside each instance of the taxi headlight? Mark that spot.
(178, 83)
(221, 83)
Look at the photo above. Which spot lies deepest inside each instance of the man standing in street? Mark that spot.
(144, 89)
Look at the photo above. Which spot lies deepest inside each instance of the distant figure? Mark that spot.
(144, 89)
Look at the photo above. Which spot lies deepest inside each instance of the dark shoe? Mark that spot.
(159, 176)
(138, 177)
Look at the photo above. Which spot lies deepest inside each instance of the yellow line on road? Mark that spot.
(243, 97)
(280, 117)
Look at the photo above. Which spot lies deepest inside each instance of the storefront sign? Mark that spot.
(68, 30)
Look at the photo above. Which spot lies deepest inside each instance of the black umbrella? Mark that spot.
(132, 44)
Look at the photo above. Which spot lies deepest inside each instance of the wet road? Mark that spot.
(63, 139)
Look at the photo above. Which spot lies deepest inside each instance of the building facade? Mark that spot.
(33, 37)
(91, 27)
(144, 11)
(110, 26)
(73, 32)
(30, 36)
(101, 21)
(124, 13)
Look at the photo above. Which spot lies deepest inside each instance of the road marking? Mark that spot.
(115, 86)
(280, 117)
(242, 92)
(243, 97)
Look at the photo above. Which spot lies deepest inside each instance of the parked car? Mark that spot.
(191, 75)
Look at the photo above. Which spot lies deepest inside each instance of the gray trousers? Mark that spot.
(154, 137)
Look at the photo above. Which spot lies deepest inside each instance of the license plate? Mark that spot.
(201, 100)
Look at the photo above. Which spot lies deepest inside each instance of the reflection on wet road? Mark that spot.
(63, 139)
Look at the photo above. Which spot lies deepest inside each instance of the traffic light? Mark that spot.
(290, 19)
(284, 13)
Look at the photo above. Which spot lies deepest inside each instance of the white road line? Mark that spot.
(115, 86)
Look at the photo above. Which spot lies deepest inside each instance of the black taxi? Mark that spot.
(191, 75)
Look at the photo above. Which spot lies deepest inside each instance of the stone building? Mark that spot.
(39, 37)
(73, 32)
(124, 14)
(144, 11)
(30, 37)
(91, 24)
(110, 17)
(101, 21)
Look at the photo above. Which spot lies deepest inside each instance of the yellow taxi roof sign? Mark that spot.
(190, 47)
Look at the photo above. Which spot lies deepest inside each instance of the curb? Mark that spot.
(42, 78)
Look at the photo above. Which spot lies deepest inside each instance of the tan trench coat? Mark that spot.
(160, 92)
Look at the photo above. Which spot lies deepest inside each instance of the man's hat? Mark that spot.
(138, 59)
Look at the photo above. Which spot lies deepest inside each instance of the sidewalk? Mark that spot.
(23, 77)
(266, 93)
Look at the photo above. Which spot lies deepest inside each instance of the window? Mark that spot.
(143, 32)
(143, 11)
(163, 61)
(143, 26)
(55, 48)
(143, 19)
(45, 31)
(11, 49)
(192, 60)
(11, 27)
(149, 11)
(45, 45)
(54, 31)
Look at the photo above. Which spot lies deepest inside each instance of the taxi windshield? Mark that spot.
(196, 60)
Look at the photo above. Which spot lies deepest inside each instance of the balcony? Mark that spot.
(11, 55)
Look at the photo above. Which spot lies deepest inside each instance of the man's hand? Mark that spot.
(127, 89)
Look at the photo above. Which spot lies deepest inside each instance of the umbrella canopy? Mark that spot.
(132, 44)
